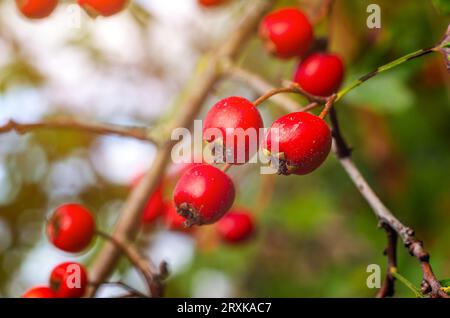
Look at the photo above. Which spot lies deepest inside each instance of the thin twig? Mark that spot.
(323, 11)
(385, 216)
(273, 92)
(310, 107)
(73, 124)
(328, 106)
(226, 167)
(131, 291)
(152, 275)
(378, 70)
(253, 80)
(388, 287)
(296, 88)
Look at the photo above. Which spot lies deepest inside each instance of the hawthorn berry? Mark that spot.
(155, 203)
(71, 228)
(104, 8)
(303, 141)
(320, 74)
(68, 280)
(235, 226)
(210, 3)
(153, 207)
(36, 9)
(286, 32)
(172, 220)
(203, 194)
(233, 125)
(39, 292)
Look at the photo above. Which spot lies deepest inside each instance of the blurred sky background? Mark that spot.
(316, 235)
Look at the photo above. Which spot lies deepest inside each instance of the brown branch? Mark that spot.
(299, 90)
(253, 80)
(131, 292)
(294, 88)
(273, 92)
(384, 215)
(153, 276)
(386, 218)
(387, 289)
(127, 226)
(342, 150)
(328, 106)
(73, 124)
(323, 11)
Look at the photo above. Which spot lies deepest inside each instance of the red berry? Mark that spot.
(286, 32)
(235, 226)
(172, 220)
(104, 8)
(71, 228)
(39, 292)
(153, 207)
(210, 3)
(304, 141)
(36, 9)
(203, 194)
(155, 203)
(233, 124)
(69, 280)
(320, 74)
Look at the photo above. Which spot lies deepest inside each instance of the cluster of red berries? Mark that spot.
(71, 229)
(299, 142)
(39, 9)
(157, 208)
(229, 229)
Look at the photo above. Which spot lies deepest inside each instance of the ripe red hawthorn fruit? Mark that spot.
(320, 74)
(155, 203)
(233, 125)
(304, 142)
(71, 228)
(286, 32)
(210, 3)
(203, 194)
(104, 8)
(39, 292)
(153, 207)
(235, 226)
(68, 280)
(172, 220)
(36, 9)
